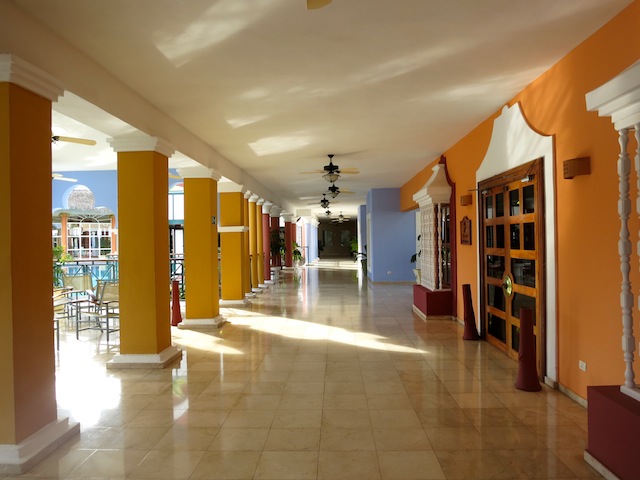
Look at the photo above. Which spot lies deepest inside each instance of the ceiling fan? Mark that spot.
(334, 191)
(340, 219)
(59, 176)
(315, 4)
(332, 172)
(81, 141)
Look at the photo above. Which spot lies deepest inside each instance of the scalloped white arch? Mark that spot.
(513, 143)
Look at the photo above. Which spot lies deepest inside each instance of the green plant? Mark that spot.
(295, 252)
(59, 256)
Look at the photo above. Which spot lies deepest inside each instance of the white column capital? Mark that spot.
(253, 198)
(266, 207)
(260, 202)
(275, 211)
(15, 70)
(141, 143)
(288, 217)
(230, 187)
(199, 171)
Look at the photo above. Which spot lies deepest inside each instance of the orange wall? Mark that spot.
(588, 274)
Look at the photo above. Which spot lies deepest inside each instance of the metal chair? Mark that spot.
(104, 314)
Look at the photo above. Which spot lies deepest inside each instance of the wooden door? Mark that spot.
(512, 249)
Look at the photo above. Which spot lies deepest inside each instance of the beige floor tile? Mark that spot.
(287, 465)
(249, 419)
(331, 388)
(137, 438)
(301, 402)
(297, 419)
(410, 465)
(226, 465)
(399, 439)
(344, 401)
(167, 465)
(348, 466)
(340, 439)
(111, 464)
(186, 438)
(60, 463)
(477, 400)
(472, 464)
(394, 418)
(533, 464)
(346, 418)
(257, 402)
(230, 439)
(396, 401)
(454, 438)
(293, 439)
(304, 388)
(203, 418)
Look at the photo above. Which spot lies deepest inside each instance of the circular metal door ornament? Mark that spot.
(507, 285)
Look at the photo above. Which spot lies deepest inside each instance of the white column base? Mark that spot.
(143, 360)
(264, 286)
(243, 302)
(194, 323)
(17, 459)
(269, 282)
(256, 290)
(250, 295)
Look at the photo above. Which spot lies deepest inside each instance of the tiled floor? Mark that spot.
(323, 377)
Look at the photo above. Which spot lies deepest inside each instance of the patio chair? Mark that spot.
(104, 314)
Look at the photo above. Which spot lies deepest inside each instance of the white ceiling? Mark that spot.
(386, 85)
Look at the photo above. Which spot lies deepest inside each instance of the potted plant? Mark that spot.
(277, 248)
(60, 256)
(296, 253)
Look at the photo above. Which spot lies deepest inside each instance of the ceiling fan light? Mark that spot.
(331, 177)
(315, 4)
(334, 194)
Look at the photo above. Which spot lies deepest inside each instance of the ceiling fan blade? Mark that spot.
(349, 171)
(315, 172)
(82, 141)
(315, 4)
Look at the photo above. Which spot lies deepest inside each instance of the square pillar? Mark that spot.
(201, 248)
(29, 424)
(143, 186)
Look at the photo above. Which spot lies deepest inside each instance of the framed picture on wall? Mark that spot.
(465, 231)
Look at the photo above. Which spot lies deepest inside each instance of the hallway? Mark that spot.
(322, 377)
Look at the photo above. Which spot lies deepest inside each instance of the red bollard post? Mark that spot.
(176, 315)
(527, 371)
(470, 330)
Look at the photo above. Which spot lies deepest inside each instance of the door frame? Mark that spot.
(535, 168)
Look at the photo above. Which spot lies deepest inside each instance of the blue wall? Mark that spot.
(311, 235)
(392, 237)
(103, 184)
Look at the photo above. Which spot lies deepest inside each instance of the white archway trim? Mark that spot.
(514, 143)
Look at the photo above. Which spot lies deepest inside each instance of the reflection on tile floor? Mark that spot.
(321, 378)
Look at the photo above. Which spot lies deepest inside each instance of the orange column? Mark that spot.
(276, 258)
(232, 254)
(29, 423)
(260, 248)
(143, 186)
(201, 247)
(253, 243)
(246, 249)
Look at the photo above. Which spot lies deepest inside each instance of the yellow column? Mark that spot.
(143, 186)
(247, 253)
(253, 243)
(259, 235)
(201, 247)
(29, 423)
(232, 246)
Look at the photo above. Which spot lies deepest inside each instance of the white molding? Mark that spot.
(254, 198)
(199, 171)
(633, 392)
(288, 217)
(599, 467)
(514, 143)
(247, 194)
(261, 202)
(266, 207)
(150, 360)
(195, 323)
(233, 229)
(17, 459)
(275, 211)
(15, 70)
(437, 188)
(141, 143)
(619, 98)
